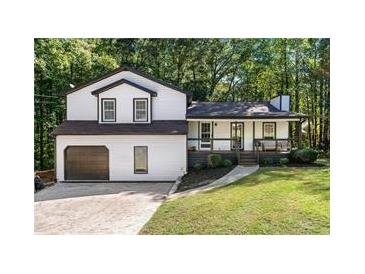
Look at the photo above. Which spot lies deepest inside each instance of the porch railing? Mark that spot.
(274, 145)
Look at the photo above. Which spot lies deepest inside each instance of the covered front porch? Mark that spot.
(240, 139)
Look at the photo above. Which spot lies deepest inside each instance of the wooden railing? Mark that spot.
(273, 144)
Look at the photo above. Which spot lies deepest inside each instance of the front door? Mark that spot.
(205, 135)
(237, 135)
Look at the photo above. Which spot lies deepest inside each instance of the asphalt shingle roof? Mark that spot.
(237, 110)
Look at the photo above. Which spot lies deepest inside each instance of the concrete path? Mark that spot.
(97, 208)
(235, 174)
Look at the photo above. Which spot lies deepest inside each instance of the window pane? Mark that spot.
(108, 105)
(140, 110)
(205, 128)
(140, 159)
(269, 131)
(108, 110)
(109, 115)
(205, 132)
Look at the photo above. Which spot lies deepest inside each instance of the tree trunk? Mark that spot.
(296, 90)
(321, 113)
(41, 142)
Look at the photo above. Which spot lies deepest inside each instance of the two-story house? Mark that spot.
(128, 126)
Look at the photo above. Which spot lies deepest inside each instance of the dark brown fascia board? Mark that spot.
(124, 133)
(120, 69)
(121, 82)
(245, 117)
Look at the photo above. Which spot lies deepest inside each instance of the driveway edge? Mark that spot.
(174, 186)
(235, 174)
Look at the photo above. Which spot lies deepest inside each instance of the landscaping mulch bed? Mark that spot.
(294, 165)
(197, 178)
(318, 163)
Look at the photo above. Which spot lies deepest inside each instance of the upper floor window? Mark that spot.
(108, 110)
(269, 131)
(140, 107)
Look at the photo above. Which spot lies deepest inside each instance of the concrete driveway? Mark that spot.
(97, 208)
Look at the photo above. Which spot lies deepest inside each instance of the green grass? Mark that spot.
(271, 201)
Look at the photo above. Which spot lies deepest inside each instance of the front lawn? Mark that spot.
(285, 200)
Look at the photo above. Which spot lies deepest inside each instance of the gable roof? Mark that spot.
(120, 82)
(120, 69)
(226, 110)
(156, 127)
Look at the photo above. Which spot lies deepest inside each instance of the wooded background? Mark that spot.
(210, 69)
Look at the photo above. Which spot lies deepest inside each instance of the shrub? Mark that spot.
(38, 183)
(324, 154)
(283, 161)
(227, 163)
(214, 160)
(198, 166)
(291, 155)
(266, 161)
(306, 155)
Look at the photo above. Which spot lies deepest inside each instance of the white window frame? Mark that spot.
(135, 101)
(205, 144)
(103, 101)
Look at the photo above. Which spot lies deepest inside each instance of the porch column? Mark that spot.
(212, 137)
(299, 127)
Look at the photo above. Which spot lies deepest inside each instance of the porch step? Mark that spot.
(248, 159)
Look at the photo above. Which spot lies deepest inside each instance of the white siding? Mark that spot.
(248, 135)
(258, 130)
(81, 106)
(283, 105)
(168, 105)
(193, 133)
(275, 102)
(166, 155)
(222, 130)
(282, 130)
(285, 102)
(124, 95)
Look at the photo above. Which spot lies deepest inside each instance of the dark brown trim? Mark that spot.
(186, 154)
(102, 109)
(151, 109)
(263, 131)
(123, 68)
(243, 134)
(212, 137)
(157, 127)
(215, 139)
(98, 115)
(295, 116)
(65, 115)
(134, 110)
(121, 82)
(134, 159)
(253, 135)
(198, 135)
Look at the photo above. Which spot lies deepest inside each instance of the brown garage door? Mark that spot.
(86, 163)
